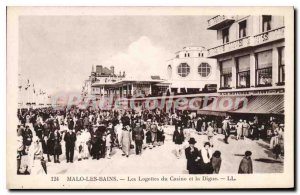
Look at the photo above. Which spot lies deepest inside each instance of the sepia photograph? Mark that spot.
(173, 97)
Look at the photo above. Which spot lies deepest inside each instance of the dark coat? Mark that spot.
(199, 125)
(39, 131)
(57, 145)
(148, 137)
(96, 136)
(246, 166)
(216, 164)
(138, 134)
(70, 139)
(27, 137)
(178, 137)
(191, 156)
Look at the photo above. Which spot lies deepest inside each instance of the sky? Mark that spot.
(57, 53)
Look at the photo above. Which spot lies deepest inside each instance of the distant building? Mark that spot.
(190, 70)
(102, 75)
(104, 82)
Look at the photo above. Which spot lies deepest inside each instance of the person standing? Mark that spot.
(210, 134)
(138, 137)
(199, 125)
(57, 145)
(178, 139)
(79, 144)
(153, 128)
(160, 135)
(216, 161)
(246, 164)
(86, 138)
(70, 139)
(245, 129)
(126, 140)
(226, 129)
(95, 140)
(239, 129)
(108, 142)
(27, 138)
(192, 156)
(206, 155)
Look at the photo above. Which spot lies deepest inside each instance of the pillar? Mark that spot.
(252, 70)
(233, 82)
(275, 66)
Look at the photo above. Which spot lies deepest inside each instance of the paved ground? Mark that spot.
(162, 159)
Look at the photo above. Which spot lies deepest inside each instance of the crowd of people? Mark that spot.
(95, 133)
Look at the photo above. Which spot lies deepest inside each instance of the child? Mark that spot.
(246, 164)
(216, 161)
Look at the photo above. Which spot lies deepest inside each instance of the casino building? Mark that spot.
(250, 61)
(190, 71)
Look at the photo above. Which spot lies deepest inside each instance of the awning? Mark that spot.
(257, 104)
(264, 104)
(219, 106)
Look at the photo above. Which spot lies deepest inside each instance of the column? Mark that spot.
(131, 89)
(233, 82)
(252, 70)
(275, 66)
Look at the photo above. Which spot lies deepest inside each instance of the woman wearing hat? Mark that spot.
(246, 164)
(192, 156)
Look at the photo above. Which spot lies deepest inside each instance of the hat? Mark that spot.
(281, 125)
(192, 140)
(248, 153)
(149, 120)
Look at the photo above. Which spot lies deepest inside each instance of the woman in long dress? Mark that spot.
(126, 140)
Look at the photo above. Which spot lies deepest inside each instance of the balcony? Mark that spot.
(268, 36)
(247, 42)
(219, 21)
(230, 46)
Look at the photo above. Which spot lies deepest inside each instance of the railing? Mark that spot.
(230, 46)
(218, 19)
(265, 37)
(271, 35)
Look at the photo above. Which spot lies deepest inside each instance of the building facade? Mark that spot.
(99, 78)
(249, 52)
(190, 70)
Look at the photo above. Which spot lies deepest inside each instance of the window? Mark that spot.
(243, 29)
(266, 23)
(183, 69)
(264, 68)
(188, 54)
(170, 71)
(281, 78)
(199, 54)
(204, 69)
(226, 74)
(225, 35)
(243, 71)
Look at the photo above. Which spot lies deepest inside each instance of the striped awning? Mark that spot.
(263, 104)
(218, 106)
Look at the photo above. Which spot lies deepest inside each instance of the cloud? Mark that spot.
(142, 58)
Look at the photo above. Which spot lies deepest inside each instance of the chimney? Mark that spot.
(123, 73)
(99, 69)
(112, 68)
(120, 73)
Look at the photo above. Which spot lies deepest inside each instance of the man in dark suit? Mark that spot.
(95, 140)
(199, 125)
(70, 138)
(138, 137)
(192, 156)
